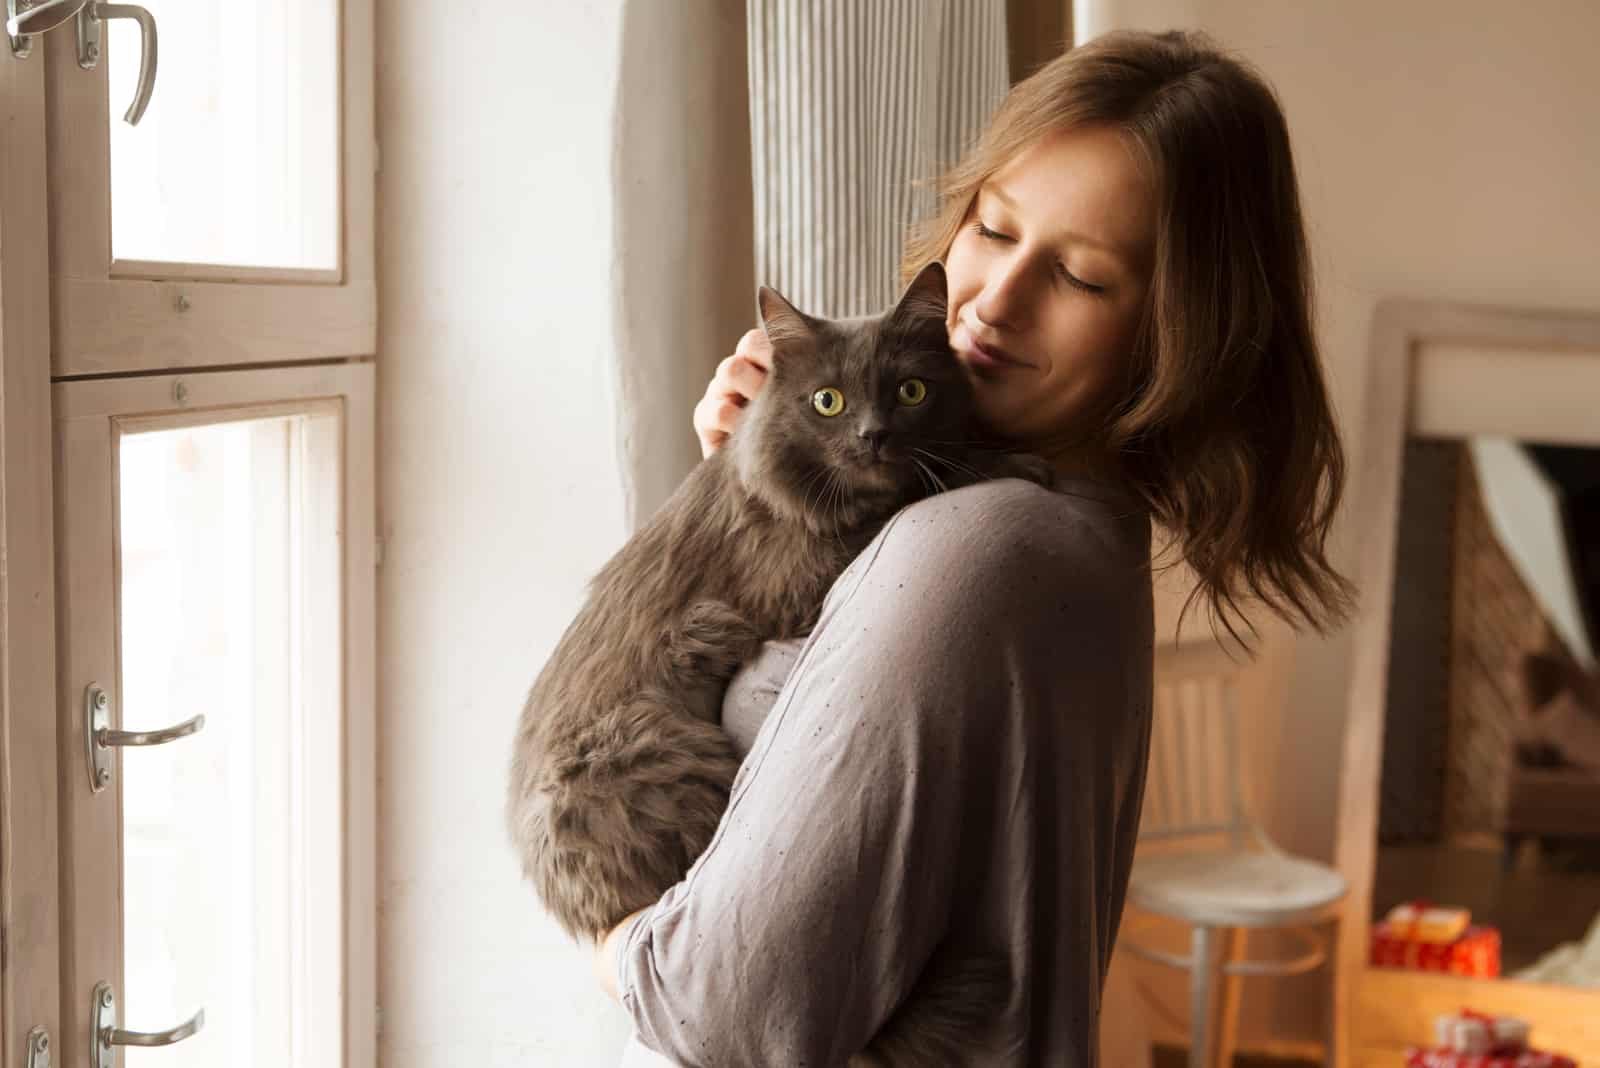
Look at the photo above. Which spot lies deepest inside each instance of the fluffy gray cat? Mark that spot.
(621, 771)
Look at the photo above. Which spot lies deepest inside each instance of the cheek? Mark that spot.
(1085, 335)
(1090, 354)
(962, 278)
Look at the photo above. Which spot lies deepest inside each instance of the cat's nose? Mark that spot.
(874, 437)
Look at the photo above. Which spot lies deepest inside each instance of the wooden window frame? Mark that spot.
(30, 988)
(85, 416)
(109, 318)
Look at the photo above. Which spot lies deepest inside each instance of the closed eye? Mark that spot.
(992, 235)
(995, 235)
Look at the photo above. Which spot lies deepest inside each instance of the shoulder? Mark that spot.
(1001, 525)
(1009, 547)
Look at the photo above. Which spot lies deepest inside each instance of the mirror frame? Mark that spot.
(1443, 370)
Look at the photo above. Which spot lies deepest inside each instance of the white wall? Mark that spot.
(540, 163)
(1447, 149)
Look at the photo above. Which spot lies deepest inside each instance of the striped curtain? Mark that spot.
(851, 101)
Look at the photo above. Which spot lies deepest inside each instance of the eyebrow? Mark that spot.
(1003, 197)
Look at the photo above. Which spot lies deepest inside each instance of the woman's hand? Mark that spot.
(605, 957)
(738, 378)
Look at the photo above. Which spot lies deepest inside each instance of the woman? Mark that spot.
(957, 759)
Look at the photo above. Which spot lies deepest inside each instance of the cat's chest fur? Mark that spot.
(785, 568)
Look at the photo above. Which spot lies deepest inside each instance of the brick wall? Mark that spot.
(1494, 620)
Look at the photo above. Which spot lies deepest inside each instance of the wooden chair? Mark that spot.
(1203, 860)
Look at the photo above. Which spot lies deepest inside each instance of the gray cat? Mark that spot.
(621, 771)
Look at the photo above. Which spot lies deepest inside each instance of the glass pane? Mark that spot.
(236, 159)
(230, 858)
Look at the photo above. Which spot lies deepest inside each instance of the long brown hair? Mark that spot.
(1225, 431)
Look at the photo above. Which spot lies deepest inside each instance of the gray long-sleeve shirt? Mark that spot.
(958, 753)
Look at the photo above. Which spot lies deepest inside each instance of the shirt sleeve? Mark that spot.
(833, 874)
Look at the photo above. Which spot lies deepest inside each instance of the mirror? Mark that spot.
(1490, 786)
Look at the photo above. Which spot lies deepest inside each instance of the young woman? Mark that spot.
(956, 760)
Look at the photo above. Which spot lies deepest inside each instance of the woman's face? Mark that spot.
(1048, 273)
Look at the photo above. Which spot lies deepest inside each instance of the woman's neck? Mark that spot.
(1086, 462)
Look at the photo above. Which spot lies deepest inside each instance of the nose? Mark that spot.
(1004, 301)
(874, 437)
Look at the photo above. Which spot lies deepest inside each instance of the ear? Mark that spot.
(927, 297)
(786, 326)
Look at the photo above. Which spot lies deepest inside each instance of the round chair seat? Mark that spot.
(1234, 888)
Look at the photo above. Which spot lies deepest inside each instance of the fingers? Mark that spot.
(714, 419)
(756, 347)
(717, 412)
(710, 442)
(738, 378)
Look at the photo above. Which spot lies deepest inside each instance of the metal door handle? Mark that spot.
(108, 737)
(89, 19)
(116, 1036)
(108, 1034)
(101, 739)
(25, 19)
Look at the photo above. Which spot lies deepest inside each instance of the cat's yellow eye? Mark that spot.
(828, 401)
(913, 391)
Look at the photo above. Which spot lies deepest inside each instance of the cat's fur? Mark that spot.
(621, 771)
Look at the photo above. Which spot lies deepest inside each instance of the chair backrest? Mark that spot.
(1192, 788)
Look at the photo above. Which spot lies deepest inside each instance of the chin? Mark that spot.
(993, 414)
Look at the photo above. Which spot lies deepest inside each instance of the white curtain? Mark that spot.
(850, 101)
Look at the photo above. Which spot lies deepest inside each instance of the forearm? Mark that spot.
(605, 956)
(798, 932)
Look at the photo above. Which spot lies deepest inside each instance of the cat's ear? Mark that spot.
(787, 327)
(926, 298)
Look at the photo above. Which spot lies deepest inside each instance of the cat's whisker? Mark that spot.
(834, 500)
(968, 468)
(938, 483)
(953, 463)
(922, 476)
(970, 443)
(825, 500)
(815, 479)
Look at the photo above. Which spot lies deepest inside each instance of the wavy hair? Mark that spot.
(1225, 429)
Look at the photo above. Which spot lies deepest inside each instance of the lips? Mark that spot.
(998, 355)
(981, 354)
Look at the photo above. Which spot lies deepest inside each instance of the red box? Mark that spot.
(1476, 953)
(1444, 1058)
